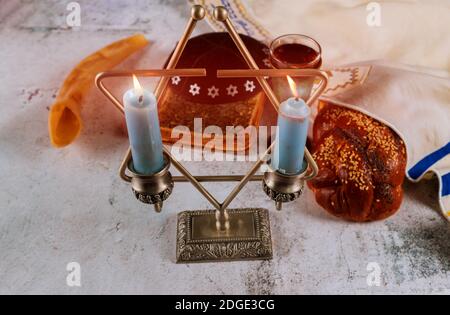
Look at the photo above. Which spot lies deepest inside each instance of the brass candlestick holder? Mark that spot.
(283, 188)
(152, 189)
(222, 234)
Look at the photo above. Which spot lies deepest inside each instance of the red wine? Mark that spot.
(295, 56)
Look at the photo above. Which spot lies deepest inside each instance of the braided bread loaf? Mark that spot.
(361, 165)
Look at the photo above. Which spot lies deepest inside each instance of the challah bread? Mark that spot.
(361, 165)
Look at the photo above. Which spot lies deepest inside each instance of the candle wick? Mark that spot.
(141, 98)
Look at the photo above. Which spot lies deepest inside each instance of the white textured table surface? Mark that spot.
(60, 206)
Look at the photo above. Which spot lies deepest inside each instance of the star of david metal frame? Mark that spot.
(222, 234)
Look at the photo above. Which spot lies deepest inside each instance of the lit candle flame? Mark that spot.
(293, 87)
(138, 88)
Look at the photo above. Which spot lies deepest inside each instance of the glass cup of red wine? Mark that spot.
(294, 51)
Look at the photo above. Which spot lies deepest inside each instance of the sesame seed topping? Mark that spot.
(348, 158)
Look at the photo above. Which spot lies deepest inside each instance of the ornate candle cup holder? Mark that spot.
(152, 189)
(283, 188)
(221, 234)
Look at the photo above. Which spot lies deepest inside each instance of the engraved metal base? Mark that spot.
(248, 238)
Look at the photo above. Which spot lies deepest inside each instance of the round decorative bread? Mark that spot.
(361, 165)
(215, 51)
(218, 102)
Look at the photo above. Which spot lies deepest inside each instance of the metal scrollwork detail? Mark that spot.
(223, 250)
(281, 197)
(153, 199)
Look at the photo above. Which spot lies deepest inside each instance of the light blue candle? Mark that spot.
(141, 113)
(292, 131)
